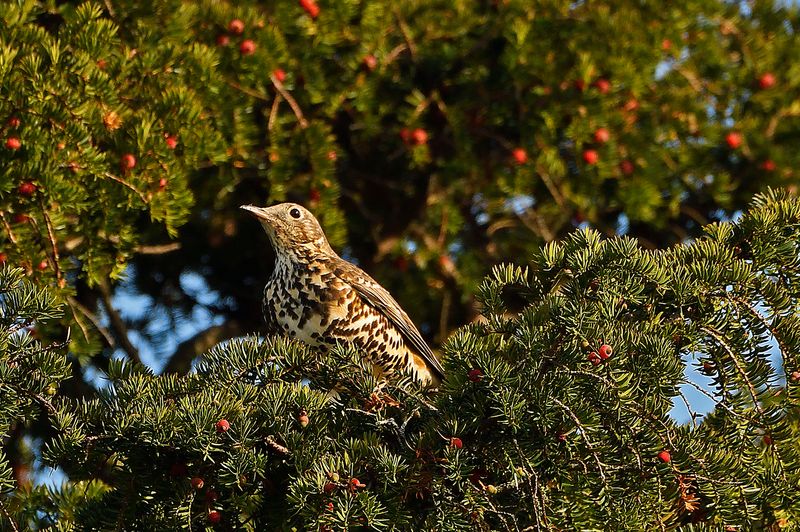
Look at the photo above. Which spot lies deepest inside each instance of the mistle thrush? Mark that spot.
(319, 298)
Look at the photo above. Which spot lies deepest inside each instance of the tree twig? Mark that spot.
(291, 101)
(277, 447)
(185, 353)
(117, 323)
(4, 510)
(158, 249)
(128, 185)
(51, 235)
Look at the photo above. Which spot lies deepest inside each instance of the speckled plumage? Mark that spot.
(319, 298)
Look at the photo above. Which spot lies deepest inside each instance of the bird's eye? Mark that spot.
(295, 213)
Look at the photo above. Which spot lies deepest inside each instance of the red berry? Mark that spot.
(631, 105)
(236, 26)
(520, 155)
(601, 135)
(13, 143)
(329, 487)
(13, 122)
(21, 218)
(594, 358)
(605, 351)
(329, 506)
(42, 266)
(197, 483)
(332, 155)
(355, 484)
(310, 7)
(768, 165)
(212, 495)
(248, 47)
(733, 140)
(475, 375)
(3, 258)
(171, 141)
(666, 44)
(708, 367)
(128, 161)
(602, 85)
(101, 64)
(370, 61)
(214, 516)
(590, 157)
(419, 136)
(223, 40)
(314, 195)
(27, 188)
(223, 425)
(162, 183)
(665, 457)
(579, 84)
(626, 167)
(405, 134)
(767, 439)
(561, 437)
(303, 419)
(766, 81)
(795, 376)
(456, 443)
(279, 74)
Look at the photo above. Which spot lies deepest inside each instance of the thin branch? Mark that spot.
(412, 48)
(8, 516)
(158, 249)
(292, 103)
(188, 350)
(128, 185)
(250, 92)
(117, 323)
(8, 228)
(585, 437)
(76, 305)
(277, 447)
(753, 394)
(273, 112)
(51, 235)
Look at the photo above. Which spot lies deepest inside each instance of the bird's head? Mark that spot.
(292, 229)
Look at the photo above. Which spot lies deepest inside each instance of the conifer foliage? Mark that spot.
(30, 372)
(554, 414)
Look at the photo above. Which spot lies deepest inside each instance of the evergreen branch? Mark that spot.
(721, 341)
(584, 435)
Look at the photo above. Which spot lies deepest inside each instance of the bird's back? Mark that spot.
(329, 300)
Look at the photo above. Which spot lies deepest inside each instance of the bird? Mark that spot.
(319, 298)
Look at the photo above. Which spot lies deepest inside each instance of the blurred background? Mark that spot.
(433, 139)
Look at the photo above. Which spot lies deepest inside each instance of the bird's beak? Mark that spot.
(258, 212)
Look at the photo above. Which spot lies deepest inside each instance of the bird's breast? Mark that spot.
(305, 304)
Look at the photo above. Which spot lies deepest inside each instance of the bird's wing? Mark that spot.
(379, 298)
